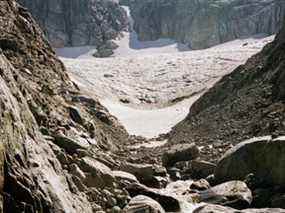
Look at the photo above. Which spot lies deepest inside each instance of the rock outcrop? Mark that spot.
(203, 23)
(262, 157)
(39, 171)
(78, 22)
(249, 102)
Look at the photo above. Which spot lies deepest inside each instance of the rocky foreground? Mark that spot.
(61, 151)
(204, 23)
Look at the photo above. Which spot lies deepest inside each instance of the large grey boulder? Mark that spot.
(204, 23)
(263, 156)
(78, 22)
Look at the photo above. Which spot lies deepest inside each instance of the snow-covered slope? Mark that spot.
(144, 83)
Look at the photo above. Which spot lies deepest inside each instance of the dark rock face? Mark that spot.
(78, 22)
(204, 23)
(247, 103)
(37, 175)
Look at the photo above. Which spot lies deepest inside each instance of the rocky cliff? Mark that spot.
(78, 22)
(248, 102)
(50, 134)
(204, 23)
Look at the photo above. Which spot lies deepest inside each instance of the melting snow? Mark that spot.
(150, 86)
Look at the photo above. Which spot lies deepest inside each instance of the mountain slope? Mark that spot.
(248, 102)
(44, 120)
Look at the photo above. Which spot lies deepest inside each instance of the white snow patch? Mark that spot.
(149, 123)
(76, 52)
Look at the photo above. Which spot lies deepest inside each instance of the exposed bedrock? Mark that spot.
(203, 23)
(78, 22)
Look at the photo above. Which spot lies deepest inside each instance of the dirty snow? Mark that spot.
(150, 86)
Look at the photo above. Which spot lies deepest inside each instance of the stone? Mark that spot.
(76, 171)
(174, 173)
(145, 173)
(200, 185)
(179, 188)
(210, 208)
(69, 144)
(169, 203)
(116, 209)
(124, 176)
(234, 194)
(143, 204)
(97, 174)
(180, 152)
(75, 114)
(263, 156)
(201, 169)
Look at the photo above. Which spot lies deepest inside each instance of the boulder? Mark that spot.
(70, 144)
(97, 174)
(210, 208)
(145, 173)
(200, 185)
(235, 194)
(180, 152)
(168, 202)
(263, 156)
(143, 204)
(201, 169)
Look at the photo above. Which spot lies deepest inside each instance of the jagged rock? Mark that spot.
(201, 24)
(235, 194)
(75, 114)
(169, 203)
(77, 22)
(260, 156)
(35, 91)
(97, 174)
(76, 171)
(71, 145)
(145, 204)
(180, 152)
